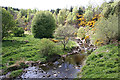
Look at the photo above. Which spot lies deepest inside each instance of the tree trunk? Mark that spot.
(64, 47)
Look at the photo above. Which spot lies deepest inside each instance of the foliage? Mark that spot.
(106, 29)
(57, 11)
(16, 73)
(43, 24)
(65, 32)
(75, 11)
(80, 11)
(88, 15)
(48, 48)
(7, 23)
(55, 17)
(81, 33)
(23, 12)
(69, 18)
(20, 20)
(102, 63)
(62, 16)
(18, 31)
(111, 9)
(71, 9)
(106, 11)
(28, 47)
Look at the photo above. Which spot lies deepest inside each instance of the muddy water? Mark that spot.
(62, 68)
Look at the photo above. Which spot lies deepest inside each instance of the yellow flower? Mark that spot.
(87, 37)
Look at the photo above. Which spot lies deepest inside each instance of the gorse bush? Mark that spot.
(43, 24)
(8, 23)
(18, 31)
(48, 48)
(106, 29)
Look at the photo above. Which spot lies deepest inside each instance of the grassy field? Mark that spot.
(102, 63)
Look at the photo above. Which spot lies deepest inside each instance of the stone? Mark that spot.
(58, 72)
(43, 76)
(54, 68)
(43, 64)
(60, 66)
(48, 75)
(55, 74)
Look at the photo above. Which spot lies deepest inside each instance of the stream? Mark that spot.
(62, 68)
(67, 66)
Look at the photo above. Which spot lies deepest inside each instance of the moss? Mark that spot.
(15, 73)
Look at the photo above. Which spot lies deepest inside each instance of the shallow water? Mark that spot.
(62, 68)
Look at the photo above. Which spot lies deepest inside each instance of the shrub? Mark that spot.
(43, 24)
(48, 48)
(7, 23)
(81, 33)
(106, 30)
(18, 31)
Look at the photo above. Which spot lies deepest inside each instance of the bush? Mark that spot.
(81, 33)
(48, 48)
(18, 31)
(43, 24)
(106, 30)
(7, 23)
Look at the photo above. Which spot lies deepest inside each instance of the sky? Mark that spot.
(48, 4)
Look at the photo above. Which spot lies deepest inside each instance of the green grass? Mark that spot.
(102, 63)
(16, 48)
(15, 73)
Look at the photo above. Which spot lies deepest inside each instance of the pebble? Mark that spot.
(58, 72)
(55, 74)
(60, 66)
(48, 75)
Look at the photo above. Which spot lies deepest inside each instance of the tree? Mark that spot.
(80, 11)
(71, 9)
(75, 11)
(34, 11)
(57, 11)
(20, 20)
(88, 15)
(69, 18)
(65, 32)
(62, 16)
(8, 23)
(43, 24)
(23, 12)
(52, 11)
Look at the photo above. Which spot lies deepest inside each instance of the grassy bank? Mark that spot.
(18, 49)
(102, 63)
